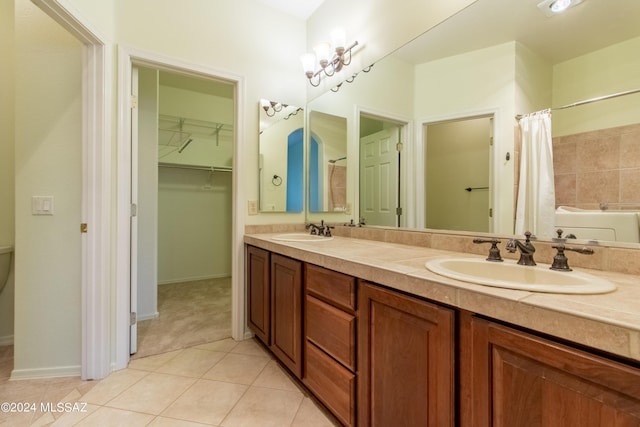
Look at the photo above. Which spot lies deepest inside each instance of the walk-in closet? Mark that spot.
(184, 210)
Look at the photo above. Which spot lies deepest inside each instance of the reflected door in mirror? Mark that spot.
(379, 178)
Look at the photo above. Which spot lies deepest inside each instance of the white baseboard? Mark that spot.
(33, 374)
(193, 279)
(6, 340)
(148, 316)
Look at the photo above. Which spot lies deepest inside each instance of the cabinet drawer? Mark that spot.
(337, 288)
(332, 330)
(334, 385)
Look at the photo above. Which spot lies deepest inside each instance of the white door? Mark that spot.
(379, 177)
(133, 337)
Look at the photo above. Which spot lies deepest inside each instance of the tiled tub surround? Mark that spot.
(601, 166)
(394, 258)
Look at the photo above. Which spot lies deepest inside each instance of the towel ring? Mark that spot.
(276, 180)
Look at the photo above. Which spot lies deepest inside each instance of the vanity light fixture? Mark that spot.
(271, 107)
(554, 7)
(331, 57)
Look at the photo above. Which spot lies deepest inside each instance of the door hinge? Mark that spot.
(133, 318)
(134, 102)
(134, 209)
(490, 212)
(491, 140)
(399, 146)
(399, 210)
(83, 227)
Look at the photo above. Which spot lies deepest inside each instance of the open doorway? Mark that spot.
(182, 230)
(457, 168)
(126, 280)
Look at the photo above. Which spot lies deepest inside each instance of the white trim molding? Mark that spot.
(96, 192)
(6, 340)
(127, 58)
(56, 372)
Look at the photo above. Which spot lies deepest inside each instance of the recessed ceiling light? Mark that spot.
(554, 7)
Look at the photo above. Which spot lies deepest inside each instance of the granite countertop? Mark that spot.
(609, 322)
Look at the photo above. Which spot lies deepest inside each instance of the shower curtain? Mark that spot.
(535, 205)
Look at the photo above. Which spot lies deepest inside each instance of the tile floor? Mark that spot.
(224, 383)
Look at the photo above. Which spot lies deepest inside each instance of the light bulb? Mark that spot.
(323, 53)
(308, 63)
(560, 6)
(338, 40)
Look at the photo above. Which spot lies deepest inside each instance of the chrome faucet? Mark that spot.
(526, 249)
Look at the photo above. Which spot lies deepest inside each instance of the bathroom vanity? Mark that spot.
(381, 340)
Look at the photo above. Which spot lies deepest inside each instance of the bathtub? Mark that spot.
(615, 226)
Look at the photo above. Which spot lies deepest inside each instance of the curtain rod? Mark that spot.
(589, 101)
(195, 167)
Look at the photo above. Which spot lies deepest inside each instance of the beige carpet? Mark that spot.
(191, 313)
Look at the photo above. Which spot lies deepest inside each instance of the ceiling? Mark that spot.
(299, 8)
(591, 25)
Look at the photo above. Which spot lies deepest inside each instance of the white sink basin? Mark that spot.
(509, 274)
(301, 237)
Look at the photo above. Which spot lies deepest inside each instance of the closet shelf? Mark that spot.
(196, 167)
(175, 131)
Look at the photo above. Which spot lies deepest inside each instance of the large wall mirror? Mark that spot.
(490, 62)
(327, 170)
(281, 157)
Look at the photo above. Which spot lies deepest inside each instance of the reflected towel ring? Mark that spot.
(276, 180)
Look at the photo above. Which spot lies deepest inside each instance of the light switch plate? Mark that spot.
(253, 207)
(42, 205)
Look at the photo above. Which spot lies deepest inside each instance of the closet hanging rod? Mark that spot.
(196, 167)
(590, 100)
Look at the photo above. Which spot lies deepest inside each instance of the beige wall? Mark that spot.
(590, 76)
(7, 180)
(194, 206)
(48, 149)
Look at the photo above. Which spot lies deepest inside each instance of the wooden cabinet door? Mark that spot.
(523, 380)
(286, 312)
(405, 360)
(258, 292)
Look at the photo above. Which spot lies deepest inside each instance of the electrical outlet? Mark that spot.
(253, 207)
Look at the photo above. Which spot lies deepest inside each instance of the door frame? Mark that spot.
(127, 57)
(406, 167)
(96, 189)
(420, 151)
